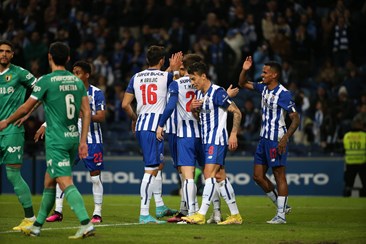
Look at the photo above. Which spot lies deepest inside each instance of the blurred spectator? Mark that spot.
(288, 73)
(137, 59)
(249, 32)
(341, 42)
(211, 25)
(345, 109)
(281, 45)
(222, 57)
(263, 54)
(127, 41)
(235, 41)
(102, 67)
(119, 61)
(318, 122)
(178, 36)
(269, 27)
(354, 84)
(251, 122)
(327, 74)
(36, 50)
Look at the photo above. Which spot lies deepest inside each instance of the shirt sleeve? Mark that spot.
(221, 98)
(27, 78)
(99, 100)
(130, 88)
(258, 87)
(286, 102)
(39, 89)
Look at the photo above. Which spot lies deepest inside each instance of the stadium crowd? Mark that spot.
(319, 43)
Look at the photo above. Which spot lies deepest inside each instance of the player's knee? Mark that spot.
(95, 179)
(13, 174)
(258, 178)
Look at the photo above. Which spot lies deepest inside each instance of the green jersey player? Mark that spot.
(63, 96)
(14, 82)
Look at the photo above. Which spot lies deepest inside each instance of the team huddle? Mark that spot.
(180, 104)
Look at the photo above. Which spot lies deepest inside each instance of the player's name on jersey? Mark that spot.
(68, 87)
(149, 80)
(184, 81)
(150, 73)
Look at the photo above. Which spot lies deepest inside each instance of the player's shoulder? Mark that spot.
(94, 88)
(283, 91)
(16, 68)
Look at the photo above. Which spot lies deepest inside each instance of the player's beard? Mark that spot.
(4, 64)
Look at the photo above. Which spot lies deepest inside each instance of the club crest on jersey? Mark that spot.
(91, 99)
(8, 78)
(272, 98)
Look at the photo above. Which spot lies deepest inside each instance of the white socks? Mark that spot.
(97, 194)
(157, 190)
(216, 200)
(207, 195)
(146, 193)
(273, 196)
(189, 195)
(59, 199)
(281, 206)
(227, 192)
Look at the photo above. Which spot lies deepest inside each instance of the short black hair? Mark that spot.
(197, 67)
(84, 65)
(60, 53)
(154, 54)
(276, 67)
(6, 42)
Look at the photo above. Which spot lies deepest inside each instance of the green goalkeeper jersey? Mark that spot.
(14, 82)
(61, 93)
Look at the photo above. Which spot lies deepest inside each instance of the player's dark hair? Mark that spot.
(84, 65)
(191, 58)
(6, 42)
(60, 53)
(154, 54)
(276, 67)
(198, 67)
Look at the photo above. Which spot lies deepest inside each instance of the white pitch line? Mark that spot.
(74, 227)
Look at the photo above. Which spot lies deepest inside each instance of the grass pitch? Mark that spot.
(313, 220)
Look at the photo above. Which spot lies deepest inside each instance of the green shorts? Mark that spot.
(11, 148)
(60, 158)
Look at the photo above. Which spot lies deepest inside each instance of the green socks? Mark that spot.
(48, 200)
(76, 203)
(21, 189)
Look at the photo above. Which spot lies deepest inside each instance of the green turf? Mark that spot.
(313, 220)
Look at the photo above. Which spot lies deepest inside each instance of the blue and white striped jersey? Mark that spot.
(213, 115)
(150, 90)
(96, 102)
(275, 104)
(187, 124)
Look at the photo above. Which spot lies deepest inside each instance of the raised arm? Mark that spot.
(243, 82)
